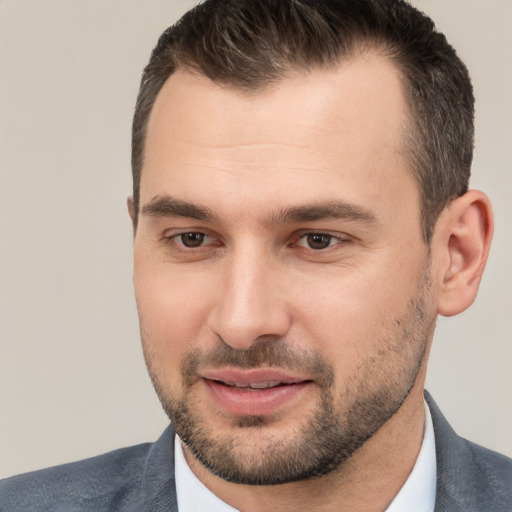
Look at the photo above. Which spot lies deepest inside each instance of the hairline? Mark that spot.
(411, 145)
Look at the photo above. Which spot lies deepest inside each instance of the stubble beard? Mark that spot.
(336, 428)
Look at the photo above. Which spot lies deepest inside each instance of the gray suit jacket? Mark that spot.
(141, 479)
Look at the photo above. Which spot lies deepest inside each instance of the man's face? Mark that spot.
(282, 283)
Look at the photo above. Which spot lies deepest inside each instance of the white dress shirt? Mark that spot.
(192, 495)
(416, 495)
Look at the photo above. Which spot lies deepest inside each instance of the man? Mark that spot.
(301, 216)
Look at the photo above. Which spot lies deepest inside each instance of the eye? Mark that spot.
(190, 245)
(317, 241)
(191, 239)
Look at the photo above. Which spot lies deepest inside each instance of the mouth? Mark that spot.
(253, 392)
(257, 385)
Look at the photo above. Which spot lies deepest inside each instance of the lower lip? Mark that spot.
(253, 402)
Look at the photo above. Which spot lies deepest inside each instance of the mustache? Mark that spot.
(267, 352)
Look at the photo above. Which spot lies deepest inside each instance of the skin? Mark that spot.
(329, 137)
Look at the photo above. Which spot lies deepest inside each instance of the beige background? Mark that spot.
(72, 379)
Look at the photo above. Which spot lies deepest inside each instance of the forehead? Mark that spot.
(324, 132)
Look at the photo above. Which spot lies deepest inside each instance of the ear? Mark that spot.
(131, 211)
(460, 247)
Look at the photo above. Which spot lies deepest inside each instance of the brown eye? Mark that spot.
(192, 240)
(318, 241)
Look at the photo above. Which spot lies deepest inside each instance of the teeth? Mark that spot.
(255, 385)
(265, 385)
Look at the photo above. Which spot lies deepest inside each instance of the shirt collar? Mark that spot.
(418, 493)
(192, 494)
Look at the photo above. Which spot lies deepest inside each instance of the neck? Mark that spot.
(368, 481)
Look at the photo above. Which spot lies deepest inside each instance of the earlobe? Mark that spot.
(462, 241)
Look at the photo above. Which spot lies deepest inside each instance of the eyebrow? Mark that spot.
(329, 210)
(167, 206)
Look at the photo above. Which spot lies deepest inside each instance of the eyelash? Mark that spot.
(174, 239)
(328, 238)
(319, 235)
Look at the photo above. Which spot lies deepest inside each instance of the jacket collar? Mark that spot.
(463, 482)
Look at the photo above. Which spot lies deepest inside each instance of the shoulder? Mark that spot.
(469, 477)
(493, 472)
(475, 479)
(92, 484)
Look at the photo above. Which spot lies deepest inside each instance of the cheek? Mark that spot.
(352, 316)
(172, 311)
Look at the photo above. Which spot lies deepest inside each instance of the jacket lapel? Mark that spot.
(159, 485)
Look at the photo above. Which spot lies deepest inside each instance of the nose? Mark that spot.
(251, 302)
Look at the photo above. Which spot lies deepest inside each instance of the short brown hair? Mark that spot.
(250, 44)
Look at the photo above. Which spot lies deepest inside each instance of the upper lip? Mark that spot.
(258, 376)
